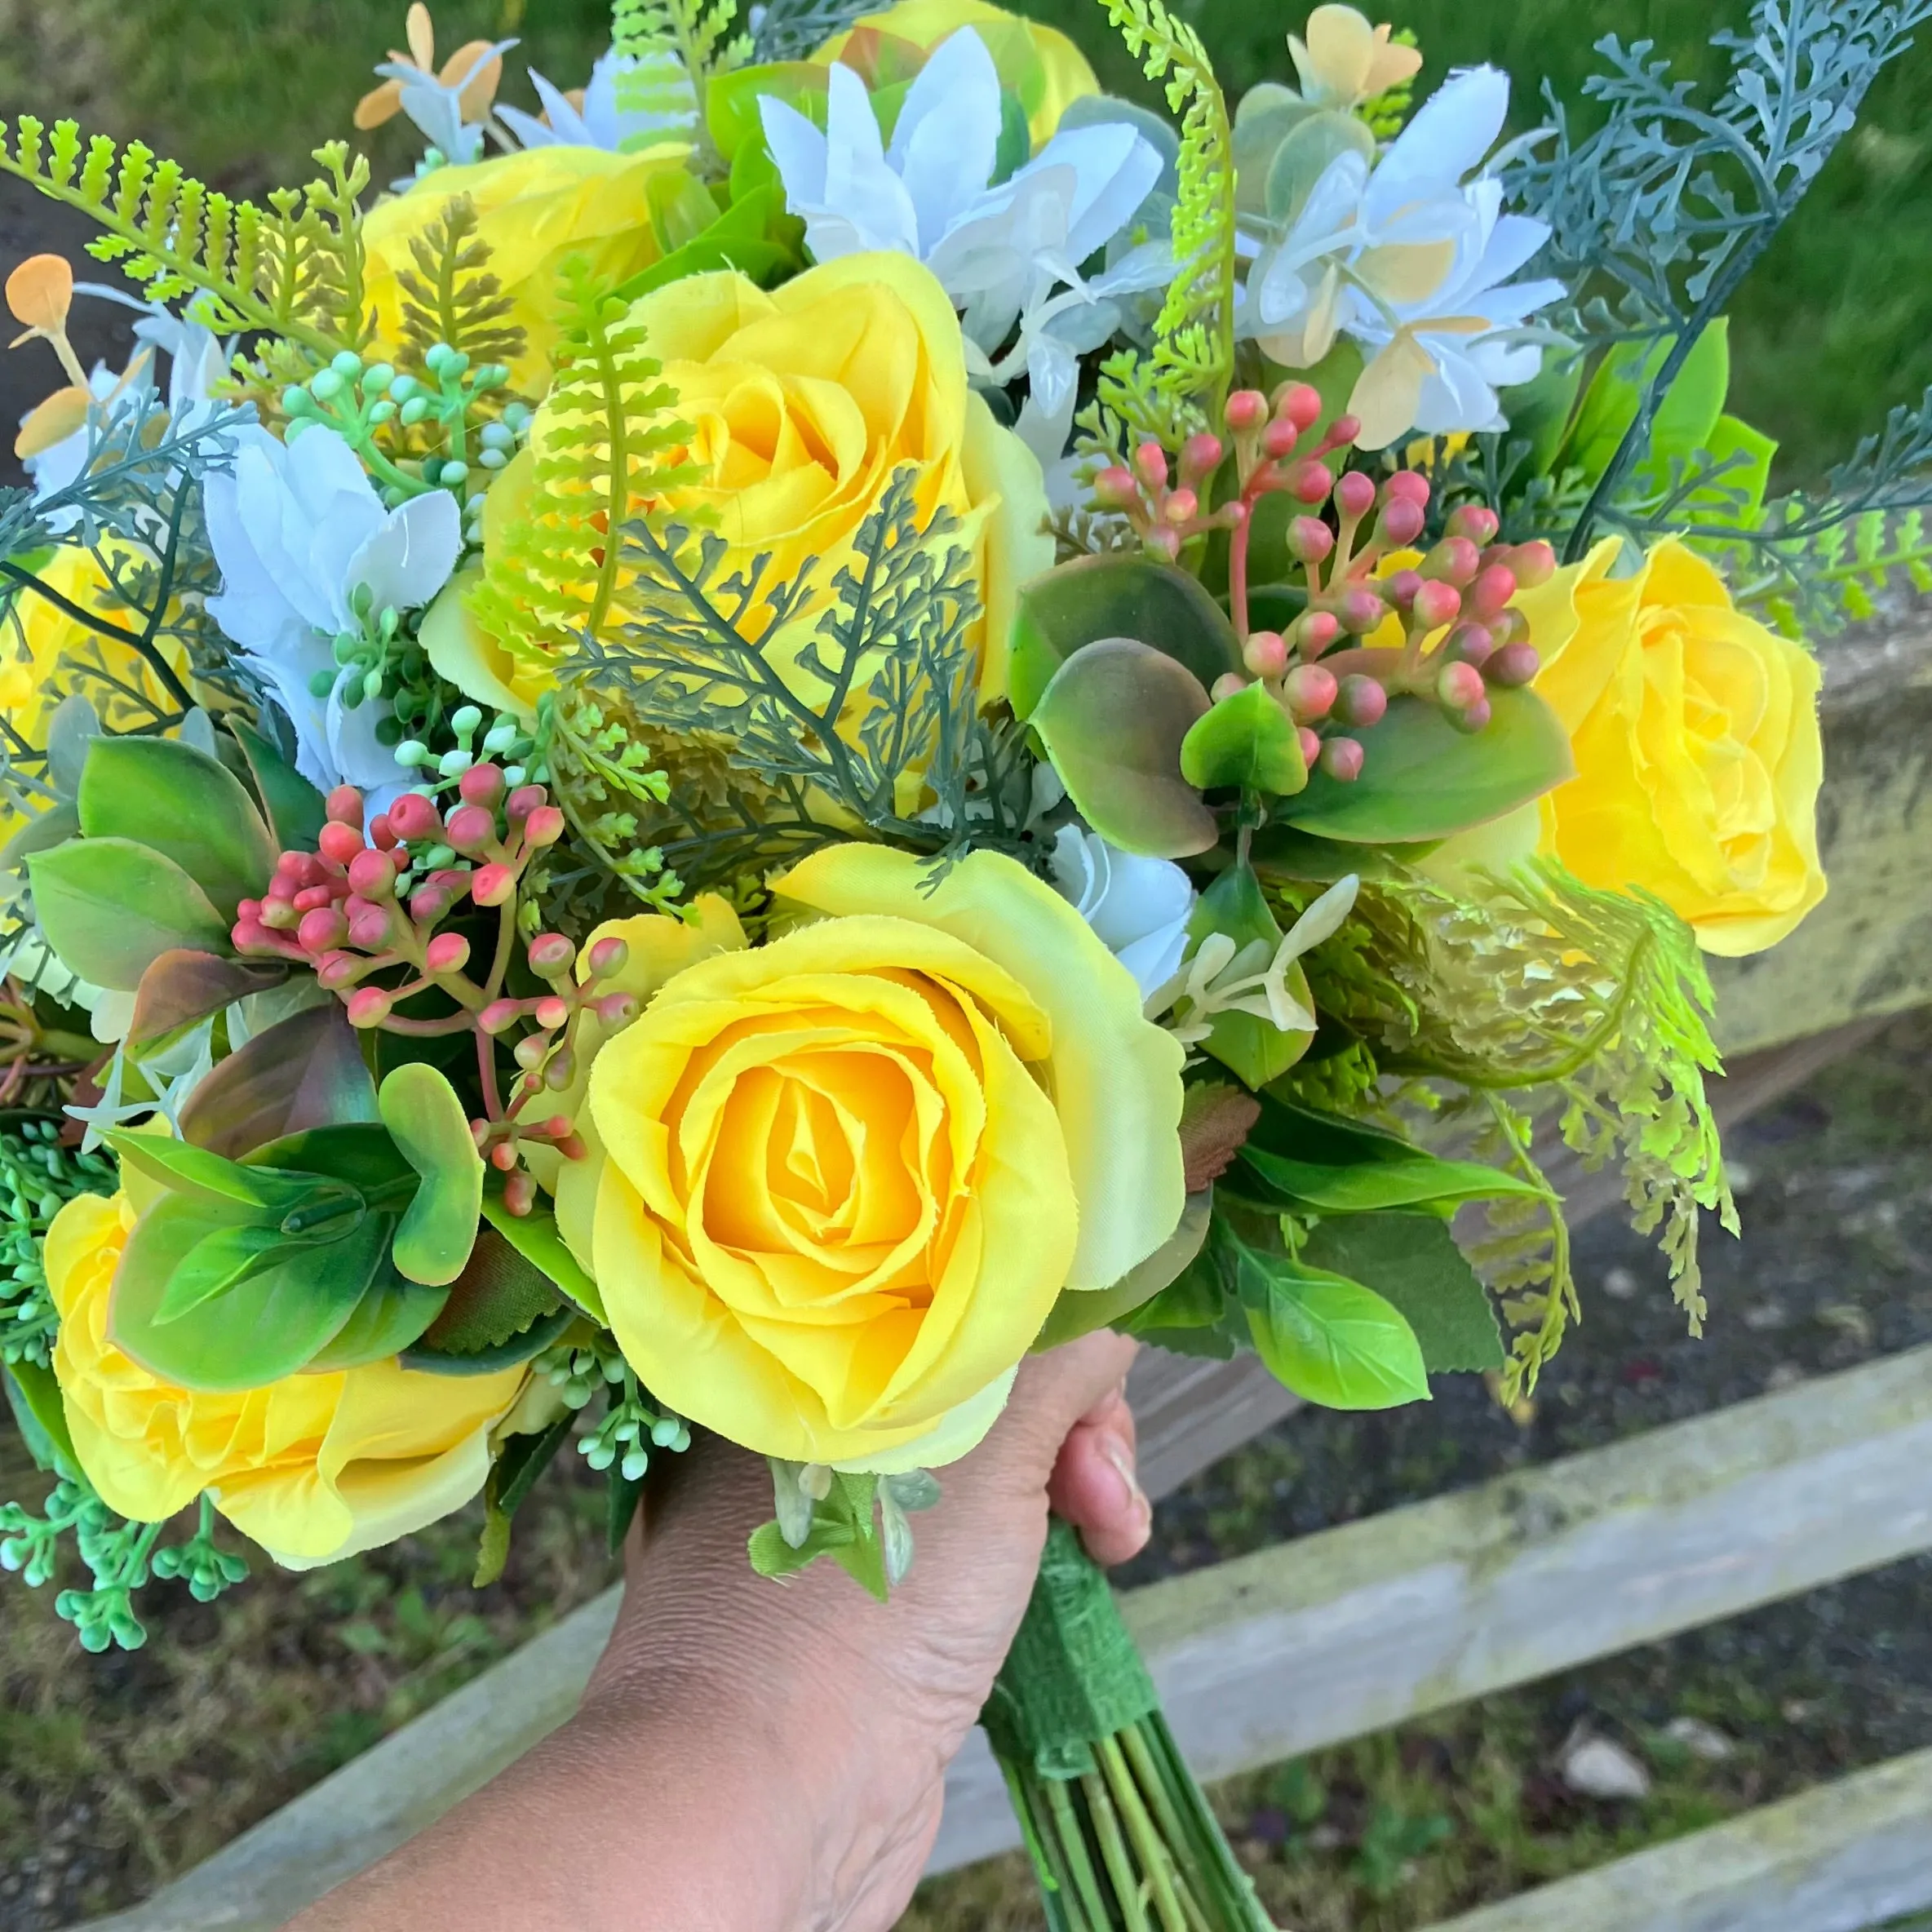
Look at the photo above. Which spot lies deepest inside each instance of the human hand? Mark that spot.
(761, 1756)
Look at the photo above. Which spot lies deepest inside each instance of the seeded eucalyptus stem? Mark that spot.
(1121, 1838)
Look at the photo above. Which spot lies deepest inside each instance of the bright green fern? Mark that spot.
(293, 269)
(671, 50)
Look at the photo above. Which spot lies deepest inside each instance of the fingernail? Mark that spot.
(1121, 1461)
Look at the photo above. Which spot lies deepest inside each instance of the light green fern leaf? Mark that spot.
(669, 52)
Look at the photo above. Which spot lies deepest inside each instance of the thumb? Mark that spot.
(1053, 1392)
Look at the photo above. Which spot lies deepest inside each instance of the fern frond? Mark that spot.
(603, 455)
(450, 296)
(1193, 359)
(294, 268)
(669, 52)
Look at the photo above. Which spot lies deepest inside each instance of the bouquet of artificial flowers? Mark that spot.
(854, 709)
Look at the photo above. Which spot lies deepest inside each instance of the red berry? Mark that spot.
(1490, 594)
(470, 829)
(503, 1157)
(499, 1016)
(415, 818)
(1309, 540)
(345, 807)
(544, 826)
(1246, 409)
(321, 930)
(1230, 683)
(448, 952)
(369, 1006)
(481, 785)
(1114, 488)
(372, 875)
(1344, 429)
(1264, 654)
(1470, 643)
(339, 843)
(550, 954)
(609, 956)
(1300, 403)
(369, 926)
(520, 1192)
(381, 832)
(523, 801)
(1477, 522)
(1341, 759)
(618, 1009)
(1408, 487)
(1310, 482)
(337, 970)
(1402, 522)
(1361, 701)
(1514, 664)
(1362, 609)
(1473, 719)
(1437, 604)
(1355, 493)
(1279, 439)
(551, 1012)
(1201, 453)
(1458, 686)
(1310, 692)
(1311, 747)
(1535, 564)
(1455, 559)
(1180, 508)
(1150, 465)
(1316, 631)
(492, 884)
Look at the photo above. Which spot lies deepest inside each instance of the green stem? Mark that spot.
(1113, 1851)
(1179, 1840)
(1073, 1844)
(1154, 1855)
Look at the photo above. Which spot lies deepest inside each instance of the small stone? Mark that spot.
(1619, 1284)
(1593, 1767)
(1796, 1710)
(1326, 1837)
(1771, 1313)
(1702, 1740)
(1742, 1179)
(1784, 1374)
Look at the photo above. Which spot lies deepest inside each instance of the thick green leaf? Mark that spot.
(111, 907)
(187, 805)
(305, 1072)
(1075, 1314)
(222, 1260)
(1329, 1339)
(1422, 778)
(680, 208)
(1246, 739)
(1280, 852)
(731, 109)
(536, 1238)
(497, 1298)
(1420, 1181)
(1304, 155)
(428, 1121)
(1118, 595)
(390, 1318)
(183, 1168)
(33, 1394)
(1412, 1260)
(1539, 412)
(1113, 721)
(181, 989)
(1246, 1044)
(41, 833)
(1190, 1316)
(1686, 417)
(296, 811)
(513, 1476)
(1737, 495)
(271, 1326)
(360, 1153)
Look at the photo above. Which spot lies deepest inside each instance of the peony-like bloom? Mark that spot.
(1138, 906)
(1006, 254)
(804, 403)
(535, 209)
(836, 1182)
(303, 539)
(1039, 65)
(314, 1468)
(1696, 734)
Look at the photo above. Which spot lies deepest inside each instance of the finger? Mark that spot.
(1055, 1390)
(1095, 1486)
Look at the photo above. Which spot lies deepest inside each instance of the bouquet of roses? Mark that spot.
(854, 709)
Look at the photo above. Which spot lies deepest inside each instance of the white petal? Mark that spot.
(1154, 959)
(1452, 130)
(859, 184)
(410, 557)
(948, 135)
(1323, 919)
(798, 148)
(360, 757)
(1076, 860)
(283, 668)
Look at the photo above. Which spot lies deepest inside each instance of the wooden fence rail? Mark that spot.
(1359, 1627)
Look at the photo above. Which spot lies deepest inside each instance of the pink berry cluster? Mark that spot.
(1462, 592)
(363, 911)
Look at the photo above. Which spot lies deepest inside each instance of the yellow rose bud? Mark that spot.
(1038, 64)
(804, 403)
(837, 1182)
(314, 1468)
(1695, 733)
(535, 209)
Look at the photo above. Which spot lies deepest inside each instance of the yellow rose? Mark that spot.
(535, 209)
(1038, 64)
(1696, 734)
(314, 1468)
(836, 1182)
(804, 403)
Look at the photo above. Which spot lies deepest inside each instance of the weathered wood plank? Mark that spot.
(1846, 1856)
(1297, 1646)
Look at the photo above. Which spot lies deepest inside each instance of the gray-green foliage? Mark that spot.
(38, 1177)
(877, 686)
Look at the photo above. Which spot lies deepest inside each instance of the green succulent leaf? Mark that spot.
(1246, 739)
(1330, 1340)
(390, 1318)
(428, 1121)
(271, 1325)
(1115, 597)
(296, 811)
(306, 1071)
(225, 1258)
(535, 1237)
(183, 1168)
(33, 1394)
(1422, 778)
(1412, 1261)
(111, 907)
(190, 807)
(359, 1153)
(1113, 721)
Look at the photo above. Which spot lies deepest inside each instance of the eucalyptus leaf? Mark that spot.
(1113, 721)
(1247, 740)
(184, 804)
(428, 1123)
(1423, 778)
(296, 811)
(183, 1168)
(1113, 597)
(390, 1318)
(110, 908)
(306, 1071)
(182, 988)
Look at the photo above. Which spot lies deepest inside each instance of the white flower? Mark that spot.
(302, 539)
(1138, 907)
(599, 121)
(1412, 261)
(1006, 254)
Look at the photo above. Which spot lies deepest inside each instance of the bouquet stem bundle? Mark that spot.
(1122, 1839)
